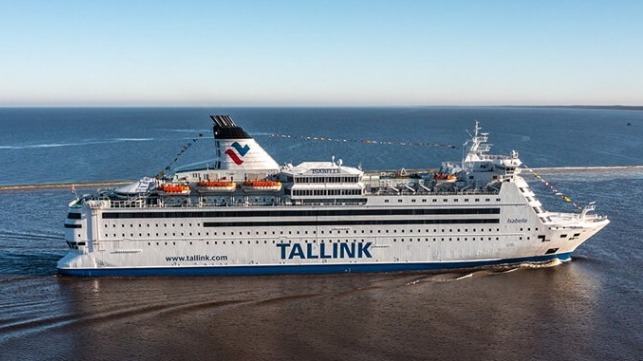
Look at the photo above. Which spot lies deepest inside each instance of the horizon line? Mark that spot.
(613, 106)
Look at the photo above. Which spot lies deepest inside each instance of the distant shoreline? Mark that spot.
(596, 107)
(22, 187)
(544, 170)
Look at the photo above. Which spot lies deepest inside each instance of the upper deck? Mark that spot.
(246, 176)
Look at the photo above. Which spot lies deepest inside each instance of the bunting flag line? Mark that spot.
(364, 141)
(179, 154)
(553, 189)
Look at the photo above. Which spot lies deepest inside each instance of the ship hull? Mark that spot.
(246, 270)
(320, 217)
(112, 241)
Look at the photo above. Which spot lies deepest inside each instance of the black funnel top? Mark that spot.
(225, 128)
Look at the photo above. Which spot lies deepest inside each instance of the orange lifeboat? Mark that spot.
(445, 178)
(171, 188)
(263, 185)
(216, 186)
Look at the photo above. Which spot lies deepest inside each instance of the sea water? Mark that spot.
(589, 308)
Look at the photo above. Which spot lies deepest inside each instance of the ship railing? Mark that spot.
(438, 193)
(139, 201)
(200, 202)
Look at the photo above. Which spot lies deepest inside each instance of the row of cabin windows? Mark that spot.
(315, 232)
(349, 179)
(379, 231)
(435, 200)
(156, 234)
(314, 241)
(249, 199)
(156, 225)
(326, 192)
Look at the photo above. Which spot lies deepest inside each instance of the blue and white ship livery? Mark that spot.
(248, 215)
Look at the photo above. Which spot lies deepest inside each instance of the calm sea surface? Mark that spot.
(588, 309)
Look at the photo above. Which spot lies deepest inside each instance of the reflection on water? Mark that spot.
(490, 314)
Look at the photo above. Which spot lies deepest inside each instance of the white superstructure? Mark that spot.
(247, 215)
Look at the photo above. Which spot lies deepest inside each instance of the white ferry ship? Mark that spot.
(247, 215)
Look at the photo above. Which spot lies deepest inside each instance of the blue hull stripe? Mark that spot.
(298, 269)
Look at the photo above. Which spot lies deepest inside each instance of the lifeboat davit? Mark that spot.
(216, 186)
(264, 185)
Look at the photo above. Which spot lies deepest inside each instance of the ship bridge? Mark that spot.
(316, 180)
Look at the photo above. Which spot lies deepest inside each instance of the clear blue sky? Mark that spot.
(301, 53)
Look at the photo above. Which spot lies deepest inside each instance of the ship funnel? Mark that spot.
(236, 150)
